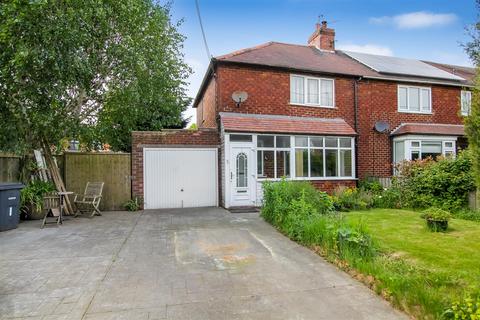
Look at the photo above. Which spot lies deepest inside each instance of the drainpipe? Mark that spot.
(355, 122)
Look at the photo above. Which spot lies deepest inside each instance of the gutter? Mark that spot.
(205, 80)
(420, 81)
(355, 123)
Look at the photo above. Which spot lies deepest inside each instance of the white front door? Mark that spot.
(242, 176)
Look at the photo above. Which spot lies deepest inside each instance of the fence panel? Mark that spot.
(111, 168)
(9, 168)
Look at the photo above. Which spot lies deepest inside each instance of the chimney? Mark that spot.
(323, 38)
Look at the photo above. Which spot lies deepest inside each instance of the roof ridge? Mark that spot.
(244, 50)
(449, 64)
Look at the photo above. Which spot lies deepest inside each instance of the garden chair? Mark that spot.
(90, 200)
(51, 208)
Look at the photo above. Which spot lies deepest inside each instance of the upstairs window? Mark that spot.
(466, 102)
(311, 91)
(414, 99)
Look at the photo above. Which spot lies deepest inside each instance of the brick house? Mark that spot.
(312, 113)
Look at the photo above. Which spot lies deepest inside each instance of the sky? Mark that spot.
(429, 30)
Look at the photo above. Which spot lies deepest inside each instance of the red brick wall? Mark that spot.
(377, 100)
(206, 115)
(330, 186)
(269, 93)
(170, 138)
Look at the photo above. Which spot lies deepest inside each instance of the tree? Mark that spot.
(472, 122)
(90, 70)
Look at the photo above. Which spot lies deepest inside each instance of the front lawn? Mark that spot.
(422, 271)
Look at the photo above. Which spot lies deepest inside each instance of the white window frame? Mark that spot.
(462, 103)
(305, 91)
(409, 139)
(260, 174)
(274, 149)
(408, 99)
(292, 149)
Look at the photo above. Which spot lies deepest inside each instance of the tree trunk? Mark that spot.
(56, 177)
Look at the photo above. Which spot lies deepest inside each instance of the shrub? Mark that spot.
(346, 199)
(436, 214)
(371, 185)
(467, 214)
(354, 241)
(31, 197)
(468, 308)
(436, 219)
(389, 198)
(133, 204)
(278, 197)
(444, 183)
(307, 216)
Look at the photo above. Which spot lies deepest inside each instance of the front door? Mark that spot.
(242, 178)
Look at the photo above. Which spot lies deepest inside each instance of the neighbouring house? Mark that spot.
(312, 113)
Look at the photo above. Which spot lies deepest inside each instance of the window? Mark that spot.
(421, 149)
(240, 138)
(399, 151)
(449, 148)
(431, 149)
(312, 91)
(304, 157)
(414, 99)
(466, 102)
(273, 156)
(296, 90)
(323, 157)
(242, 170)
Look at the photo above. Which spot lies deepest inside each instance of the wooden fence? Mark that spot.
(9, 168)
(474, 200)
(111, 168)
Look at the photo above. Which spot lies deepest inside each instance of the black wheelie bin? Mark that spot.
(9, 205)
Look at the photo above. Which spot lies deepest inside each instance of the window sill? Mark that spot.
(415, 112)
(310, 105)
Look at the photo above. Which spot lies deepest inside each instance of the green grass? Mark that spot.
(422, 271)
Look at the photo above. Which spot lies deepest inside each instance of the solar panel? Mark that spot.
(401, 66)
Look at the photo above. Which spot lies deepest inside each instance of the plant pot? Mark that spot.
(32, 213)
(437, 225)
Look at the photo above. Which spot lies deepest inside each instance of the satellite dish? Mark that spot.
(382, 126)
(239, 97)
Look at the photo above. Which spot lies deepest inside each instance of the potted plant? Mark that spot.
(436, 218)
(31, 198)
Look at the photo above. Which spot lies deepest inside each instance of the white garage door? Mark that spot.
(180, 178)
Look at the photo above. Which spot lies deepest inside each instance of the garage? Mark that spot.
(180, 177)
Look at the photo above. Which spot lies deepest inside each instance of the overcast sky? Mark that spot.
(429, 30)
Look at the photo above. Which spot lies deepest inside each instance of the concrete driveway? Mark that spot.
(172, 264)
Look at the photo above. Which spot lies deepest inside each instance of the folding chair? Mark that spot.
(51, 208)
(90, 200)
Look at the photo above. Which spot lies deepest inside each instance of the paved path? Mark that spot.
(172, 264)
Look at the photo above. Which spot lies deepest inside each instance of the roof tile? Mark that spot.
(429, 128)
(284, 124)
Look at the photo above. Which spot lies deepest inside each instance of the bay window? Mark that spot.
(422, 147)
(304, 157)
(414, 99)
(312, 91)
